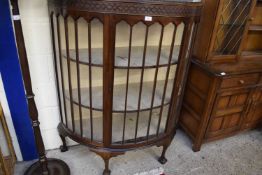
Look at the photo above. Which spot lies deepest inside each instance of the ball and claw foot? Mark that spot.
(196, 148)
(63, 148)
(106, 172)
(162, 160)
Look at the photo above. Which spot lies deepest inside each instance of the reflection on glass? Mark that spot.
(234, 15)
(142, 91)
(81, 42)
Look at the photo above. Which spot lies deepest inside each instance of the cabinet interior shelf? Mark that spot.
(121, 57)
(118, 120)
(255, 28)
(119, 97)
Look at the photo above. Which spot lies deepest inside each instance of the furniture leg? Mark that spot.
(196, 147)
(162, 159)
(106, 170)
(63, 147)
(106, 156)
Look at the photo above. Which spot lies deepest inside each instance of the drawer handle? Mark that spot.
(241, 81)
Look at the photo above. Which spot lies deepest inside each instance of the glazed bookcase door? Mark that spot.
(145, 62)
(230, 27)
(79, 66)
(252, 45)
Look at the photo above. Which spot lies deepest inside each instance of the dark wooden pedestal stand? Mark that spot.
(43, 166)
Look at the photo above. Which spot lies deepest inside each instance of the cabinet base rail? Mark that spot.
(106, 153)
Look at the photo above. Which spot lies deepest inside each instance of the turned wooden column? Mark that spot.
(42, 166)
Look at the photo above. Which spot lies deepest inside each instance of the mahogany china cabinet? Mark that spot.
(223, 93)
(121, 68)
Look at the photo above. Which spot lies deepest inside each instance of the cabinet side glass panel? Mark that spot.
(81, 46)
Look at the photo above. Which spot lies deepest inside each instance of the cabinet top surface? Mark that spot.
(233, 68)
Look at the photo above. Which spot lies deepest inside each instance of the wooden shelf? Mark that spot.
(121, 57)
(117, 126)
(252, 53)
(255, 28)
(119, 97)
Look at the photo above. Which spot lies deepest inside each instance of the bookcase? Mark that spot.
(223, 91)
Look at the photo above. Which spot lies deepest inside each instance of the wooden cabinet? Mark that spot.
(240, 81)
(120, 69)
(216, 106)
(223, 91)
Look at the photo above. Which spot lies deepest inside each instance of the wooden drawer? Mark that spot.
(240, 80)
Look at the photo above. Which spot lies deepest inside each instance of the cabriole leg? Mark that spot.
(106, 155)
(162, 159)
(196, 147)
(106, 170)
(63, 147)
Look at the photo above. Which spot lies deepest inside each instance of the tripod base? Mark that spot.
(55, 167)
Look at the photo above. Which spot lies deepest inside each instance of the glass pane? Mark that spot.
(64, 69)
(56, 22)
(143, 79)
(82, 73)
(234, 15)
(122, 43)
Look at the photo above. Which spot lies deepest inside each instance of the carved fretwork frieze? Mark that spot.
(118, 7)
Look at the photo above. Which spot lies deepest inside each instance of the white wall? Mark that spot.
(36, 30)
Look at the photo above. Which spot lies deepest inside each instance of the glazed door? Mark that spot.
(230, 25)
(78, 44)
(254, 110)
(145, 62)
(228, 112)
